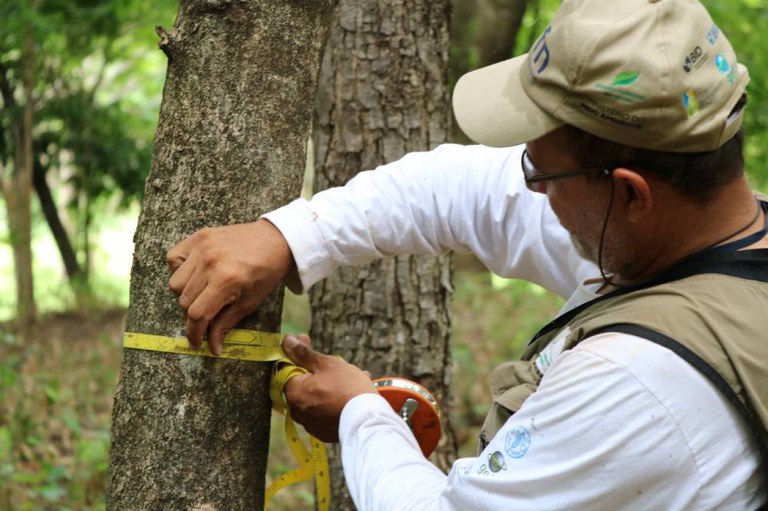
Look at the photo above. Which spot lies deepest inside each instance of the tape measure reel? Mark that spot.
(416, 406)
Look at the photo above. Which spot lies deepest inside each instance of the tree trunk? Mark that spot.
(383, 93)
(193, 432)
(482, 32)
(17, 190)
(498, 22)
(51, 214)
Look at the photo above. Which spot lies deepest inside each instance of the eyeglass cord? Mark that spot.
(736, 245)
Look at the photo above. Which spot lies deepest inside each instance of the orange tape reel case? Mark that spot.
(417, 407)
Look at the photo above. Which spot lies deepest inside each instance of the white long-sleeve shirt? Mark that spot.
(618, 423)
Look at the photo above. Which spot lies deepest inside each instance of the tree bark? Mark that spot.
(498, 22)
(51, 214)
(383, 93)
(192, 432)
(17, 188)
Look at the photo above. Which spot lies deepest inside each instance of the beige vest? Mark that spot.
(711, 310)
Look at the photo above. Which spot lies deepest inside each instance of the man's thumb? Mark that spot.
(301, 354)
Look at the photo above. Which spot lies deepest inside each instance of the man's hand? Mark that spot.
(222, 274)
(317, 398)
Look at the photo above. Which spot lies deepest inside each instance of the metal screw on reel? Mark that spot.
(417, 407)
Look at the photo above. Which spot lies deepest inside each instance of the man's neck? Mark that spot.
(684, 227)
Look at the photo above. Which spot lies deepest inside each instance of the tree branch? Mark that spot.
(165, 40)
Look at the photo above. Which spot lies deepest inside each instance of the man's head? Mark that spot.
(651, 91)
(652, 74)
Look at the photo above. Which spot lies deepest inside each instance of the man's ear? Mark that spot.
(635, 191)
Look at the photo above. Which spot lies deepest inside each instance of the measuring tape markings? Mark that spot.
(259, 346)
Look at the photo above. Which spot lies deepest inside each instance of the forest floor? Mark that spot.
(56, 392)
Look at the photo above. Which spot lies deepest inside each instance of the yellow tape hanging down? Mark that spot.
(313, 462)
(260, 347)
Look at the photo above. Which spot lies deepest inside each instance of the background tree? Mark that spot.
(16, 181)
(498, 22)
(484, 32)
(192, 432)
(383, 93)
(61, 133)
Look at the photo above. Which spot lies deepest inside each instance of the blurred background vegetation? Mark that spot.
(85, 77)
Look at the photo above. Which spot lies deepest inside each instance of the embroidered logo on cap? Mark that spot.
(539, 54)
(619, 90)
(690, 103)
(713, 35)
(695, 59)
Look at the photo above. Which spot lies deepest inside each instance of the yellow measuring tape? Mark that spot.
(260, 347)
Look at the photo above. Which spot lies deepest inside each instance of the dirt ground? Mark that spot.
(77, 327)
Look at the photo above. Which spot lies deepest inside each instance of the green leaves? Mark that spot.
(743, 22)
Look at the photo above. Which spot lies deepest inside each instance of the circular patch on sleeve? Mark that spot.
(517, 442)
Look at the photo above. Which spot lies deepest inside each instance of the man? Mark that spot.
(650, 389)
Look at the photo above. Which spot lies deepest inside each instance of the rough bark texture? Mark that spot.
(383, 93)
(191, 433)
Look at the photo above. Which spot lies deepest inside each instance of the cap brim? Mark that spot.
(492, 107)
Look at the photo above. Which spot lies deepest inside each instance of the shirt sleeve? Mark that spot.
(383, 464)
(462, 198)
(597, 434)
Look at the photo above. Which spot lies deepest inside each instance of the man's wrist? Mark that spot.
(290, 272)
(299, 228)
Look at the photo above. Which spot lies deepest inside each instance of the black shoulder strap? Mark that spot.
(745, 264)
(704, 368)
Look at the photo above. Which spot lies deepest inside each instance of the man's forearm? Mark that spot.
(453, 198)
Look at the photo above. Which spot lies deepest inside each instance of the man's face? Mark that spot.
(581, 204)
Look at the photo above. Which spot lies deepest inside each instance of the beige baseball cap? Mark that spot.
(654, 74)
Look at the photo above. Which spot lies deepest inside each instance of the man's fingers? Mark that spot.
(301, 353)
(178, 254)
(181, 275)
(200, 313)
(304, 338)
(192, 289)
(195, 332)
(175, 260)
(223, 323)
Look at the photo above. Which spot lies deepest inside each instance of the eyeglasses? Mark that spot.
(533, 181)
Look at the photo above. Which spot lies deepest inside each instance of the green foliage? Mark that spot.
(97, 80)
(744, 23)
(54, 420)
(111, 258)
(98, 142)
(493, 320)
(536, 19)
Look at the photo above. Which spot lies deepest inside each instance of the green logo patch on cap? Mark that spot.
(626, 78)
(618, 90)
